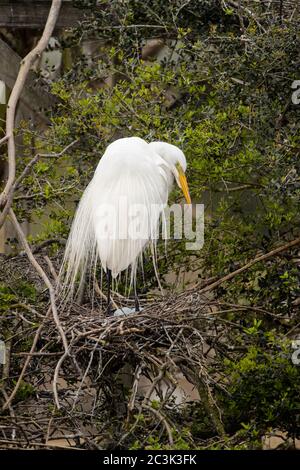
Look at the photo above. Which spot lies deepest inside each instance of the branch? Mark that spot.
(22, 176)
(40, 246)
(28, 358)
(26, 64)
(42, 194)
(49, 285)
(206, 397)
(238, 6)
(250, 264)
(3, 140)
(162, 420)
(51, 268)
(37, 157)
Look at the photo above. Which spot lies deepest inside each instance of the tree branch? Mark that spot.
(249, 265)
(37, 157)
(49, 285)
(26, 64)
(238, 6)
(28, 358)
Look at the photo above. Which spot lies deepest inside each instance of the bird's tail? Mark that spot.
(80, 253)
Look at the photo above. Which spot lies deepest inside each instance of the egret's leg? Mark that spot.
(108, 277)
(136, 299)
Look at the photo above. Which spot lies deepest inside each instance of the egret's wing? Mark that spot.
(126, 213)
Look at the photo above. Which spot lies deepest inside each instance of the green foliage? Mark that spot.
(10, 295)
(25, 391)
(6, 297)
(267, 369)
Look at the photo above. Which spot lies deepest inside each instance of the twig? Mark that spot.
(40, 246)
(137, 376)
(20, 378)
(42, 194)
(206, 398)
(51, 268)
(239, 6)
(35, 160)
(55, 377)
(163, 420)
(249, 265)
(42, 274)
(4, 139)
(11, 412)
(210, 406)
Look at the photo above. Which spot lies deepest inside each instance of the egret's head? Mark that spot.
(176, 161)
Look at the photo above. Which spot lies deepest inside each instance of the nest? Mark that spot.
(80, 379)
(78, 383)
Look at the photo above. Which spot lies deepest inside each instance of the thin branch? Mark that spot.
(4, 139)
(20, 378)
(37, 157)
(239, 6)
(51, 268)
(250, 264)
(42, 194)
(43, 244)
(163, 420)
(25, 66)
(6, 367)
(48, 283)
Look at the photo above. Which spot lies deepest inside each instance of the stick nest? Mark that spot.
(83, 385)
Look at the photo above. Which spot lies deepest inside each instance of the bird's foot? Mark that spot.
(109, 312)
(137, 305)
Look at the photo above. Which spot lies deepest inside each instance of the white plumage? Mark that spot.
(119, 211)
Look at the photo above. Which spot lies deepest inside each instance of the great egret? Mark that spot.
(132, 174)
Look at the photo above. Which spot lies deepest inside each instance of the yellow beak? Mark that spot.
(184, 186)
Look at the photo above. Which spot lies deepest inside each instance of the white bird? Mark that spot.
(119, 212)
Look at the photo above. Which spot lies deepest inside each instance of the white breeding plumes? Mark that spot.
(119, 211)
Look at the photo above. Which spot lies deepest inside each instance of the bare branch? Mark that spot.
(51, 268)
(28, 358)
(163, 420)
(4, 139)
(48, 283)
(26, 64)
(250, 264)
